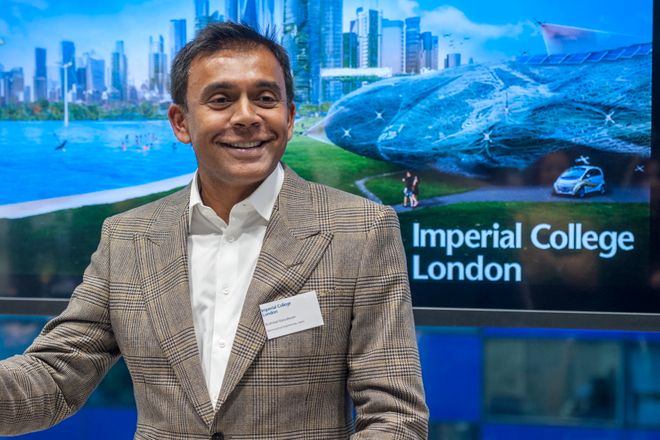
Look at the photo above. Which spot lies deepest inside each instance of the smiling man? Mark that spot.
(251, 304)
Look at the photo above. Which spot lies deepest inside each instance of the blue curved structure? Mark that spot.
(472, 119)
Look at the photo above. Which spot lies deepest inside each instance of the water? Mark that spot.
(98, 155)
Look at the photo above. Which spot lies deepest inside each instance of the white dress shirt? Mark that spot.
(222, 258)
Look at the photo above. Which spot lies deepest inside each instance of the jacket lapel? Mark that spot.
(293, 245)
(163, 265)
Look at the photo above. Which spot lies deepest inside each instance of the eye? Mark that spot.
(267, 100)
(218, 101)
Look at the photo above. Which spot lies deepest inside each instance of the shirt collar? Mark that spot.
(262, 200)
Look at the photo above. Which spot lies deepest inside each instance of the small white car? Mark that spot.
(579, 181)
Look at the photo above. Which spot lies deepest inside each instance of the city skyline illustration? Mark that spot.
(121, 51)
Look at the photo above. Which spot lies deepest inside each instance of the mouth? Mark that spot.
(241, 145)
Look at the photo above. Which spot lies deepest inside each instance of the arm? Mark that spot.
(64, 364)
(384, 379)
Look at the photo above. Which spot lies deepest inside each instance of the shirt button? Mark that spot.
(222, 343)
(230, 239)
(225, 291)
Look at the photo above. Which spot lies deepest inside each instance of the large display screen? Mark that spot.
(513, 138)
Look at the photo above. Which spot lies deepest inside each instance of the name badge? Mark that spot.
(291, 315)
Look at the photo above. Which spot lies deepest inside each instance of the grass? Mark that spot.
(389, 188)
(331, 165)
(60, 242)
(306, 123)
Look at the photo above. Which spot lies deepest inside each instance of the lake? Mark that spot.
(97, 156)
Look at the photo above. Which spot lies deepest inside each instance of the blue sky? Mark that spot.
(484, 30)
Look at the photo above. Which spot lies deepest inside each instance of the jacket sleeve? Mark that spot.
(58, 372)
(384, 379)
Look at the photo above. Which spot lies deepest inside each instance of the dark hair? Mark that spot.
(221, 36)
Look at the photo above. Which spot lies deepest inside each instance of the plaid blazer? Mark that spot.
(134, 301)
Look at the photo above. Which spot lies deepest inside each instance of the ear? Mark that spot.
(179, 123)
(292, 117)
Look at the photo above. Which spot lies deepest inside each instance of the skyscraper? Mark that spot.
(203, 15)
(452, 60)
(81, 82)
(349, 49)
(158, 67)
(15, 86)
(263, 15)
(370, 38)
(301, 38)
(232, 8)
(393, 53)
(178, 36)
(331, 33)
(413, 46)
(68, 56)
(331, 45)
(429, 53)
(271, 16)
(3, 85)
(119, 73)
(249, 13)
(40, 74)
(95, 77)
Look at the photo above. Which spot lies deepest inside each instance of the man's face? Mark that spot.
(238, 120)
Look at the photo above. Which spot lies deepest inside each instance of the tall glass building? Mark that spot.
(413, 45)
(331, 45)
(301, 39)
(393, 35)
(370, 39)
(68, 56)
(119, 73)
(94, 77)
(178, 37)
(158, 67)
(40, 74)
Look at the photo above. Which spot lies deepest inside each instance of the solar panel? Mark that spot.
(630, 52)
(577, 58)
(596, 56)
(537, 59)
(645, 49)
(613, 55)
(589, 57)
(555, 59)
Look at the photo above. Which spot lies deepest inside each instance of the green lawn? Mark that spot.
(60, 242)
(331, 165)
(389, 189)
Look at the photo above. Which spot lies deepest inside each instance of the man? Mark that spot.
(176, 285)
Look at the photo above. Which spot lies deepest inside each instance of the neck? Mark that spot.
(222, 198)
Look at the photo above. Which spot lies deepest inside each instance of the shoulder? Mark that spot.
(341, 211)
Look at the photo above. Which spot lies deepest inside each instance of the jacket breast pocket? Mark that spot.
(331, 337)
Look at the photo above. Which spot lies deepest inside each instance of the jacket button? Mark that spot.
(218, 436)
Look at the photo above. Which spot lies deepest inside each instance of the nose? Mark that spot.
(245, 115)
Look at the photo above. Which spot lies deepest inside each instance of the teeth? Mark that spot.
(245, 144)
